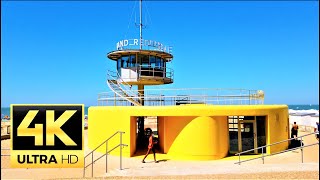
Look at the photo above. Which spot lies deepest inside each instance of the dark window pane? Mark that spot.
(133, 60)
(119, 64)
(158, 62)
(161, 63)
(153, 61)
(125, 60)
(144, 59)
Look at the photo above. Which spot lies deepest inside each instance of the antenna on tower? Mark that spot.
(140, 25)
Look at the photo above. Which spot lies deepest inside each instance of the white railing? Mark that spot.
(114, 76)
(165, 97)
(155, 71)
(120, 88)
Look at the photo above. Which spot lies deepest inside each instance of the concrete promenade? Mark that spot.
(282, 166)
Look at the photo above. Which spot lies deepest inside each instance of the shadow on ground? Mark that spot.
(163, 160)
(143, 151)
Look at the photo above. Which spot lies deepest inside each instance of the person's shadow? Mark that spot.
(163, 160)
(158, 161)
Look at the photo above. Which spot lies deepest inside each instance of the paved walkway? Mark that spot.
(208, 167)
(286, 162)
(290, 161)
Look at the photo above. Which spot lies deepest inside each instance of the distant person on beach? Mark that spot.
(294, 130)
(316, 129)
(150, 145)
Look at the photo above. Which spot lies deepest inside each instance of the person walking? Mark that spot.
(150, 145)
(294, 130)
(316, 129)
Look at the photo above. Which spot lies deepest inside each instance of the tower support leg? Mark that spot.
(141, 94)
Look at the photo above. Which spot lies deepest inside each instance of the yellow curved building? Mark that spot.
(194, 132)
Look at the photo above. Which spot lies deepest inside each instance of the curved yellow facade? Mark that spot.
(194, 132)
(198, 138)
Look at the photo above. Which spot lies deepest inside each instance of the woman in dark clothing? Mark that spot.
(294, 130)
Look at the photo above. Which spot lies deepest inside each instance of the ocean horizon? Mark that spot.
(296, 108)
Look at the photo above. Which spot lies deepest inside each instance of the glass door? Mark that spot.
(243, 134)
(248, 136)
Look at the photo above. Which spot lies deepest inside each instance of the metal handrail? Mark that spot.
(250, 95)
(275, 143)
(179, 89)
(164, 70)
(292, 149)
(240, 92)
(127, 92)
(261, 147)
(117, 77)
(173, 101)
(208, 99)
(126, 85)
(220, 96)
(194, 96)
(106, 154)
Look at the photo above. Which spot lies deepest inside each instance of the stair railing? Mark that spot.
(128, 93)
(106, 154)
(268, 145)
(124, 84)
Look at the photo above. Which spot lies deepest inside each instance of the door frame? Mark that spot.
(255, 141)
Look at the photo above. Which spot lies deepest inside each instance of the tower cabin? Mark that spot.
(143, 67)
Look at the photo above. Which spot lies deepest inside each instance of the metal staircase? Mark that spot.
(121, 88)
(108, 151)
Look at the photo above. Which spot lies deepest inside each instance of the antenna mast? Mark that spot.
(140, 24)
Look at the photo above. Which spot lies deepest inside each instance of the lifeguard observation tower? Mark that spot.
(140, 62)
(198, 123)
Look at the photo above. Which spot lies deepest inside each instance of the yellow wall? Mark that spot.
(278, 128)
(104, 122)
(193, 131)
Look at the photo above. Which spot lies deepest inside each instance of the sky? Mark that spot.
(55, 52)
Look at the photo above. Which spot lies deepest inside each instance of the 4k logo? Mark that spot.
(47, 136)
(52, 128)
